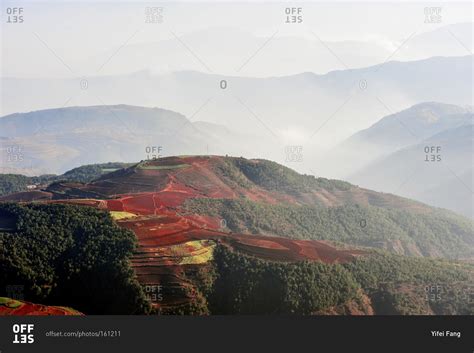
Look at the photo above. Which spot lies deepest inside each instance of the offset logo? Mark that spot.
(294, 14)
(153, 152)
(153, 15)
(14, 15)
(294, 153)
(23, 333)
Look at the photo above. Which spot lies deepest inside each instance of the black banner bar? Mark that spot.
(245, 333)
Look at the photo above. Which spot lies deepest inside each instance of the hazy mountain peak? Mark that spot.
(398, 130)
(437, 108)
(420, 121)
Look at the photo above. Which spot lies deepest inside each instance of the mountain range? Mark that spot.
(383, 157)
(315, 110)
(436, 170)
(226, 49)
(395, 155)
(396, 131)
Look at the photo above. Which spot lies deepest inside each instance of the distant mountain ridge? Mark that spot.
(308, 100)
(416, 123)
(435, 171)
(55, 140)
(397, 131)
(125, 118)
(224, 49)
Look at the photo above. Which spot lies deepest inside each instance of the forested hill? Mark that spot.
(11, 183)
(261, 196)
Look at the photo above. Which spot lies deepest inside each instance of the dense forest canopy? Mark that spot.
(242, 284)
(69, 255)
(273, 176)
(397, 230)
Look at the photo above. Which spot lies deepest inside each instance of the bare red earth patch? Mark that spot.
(12, 307)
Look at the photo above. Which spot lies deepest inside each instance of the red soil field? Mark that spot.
(9, 307)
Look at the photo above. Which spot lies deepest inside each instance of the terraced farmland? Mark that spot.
(173, 243)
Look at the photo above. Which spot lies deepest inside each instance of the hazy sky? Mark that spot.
(83, 34)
